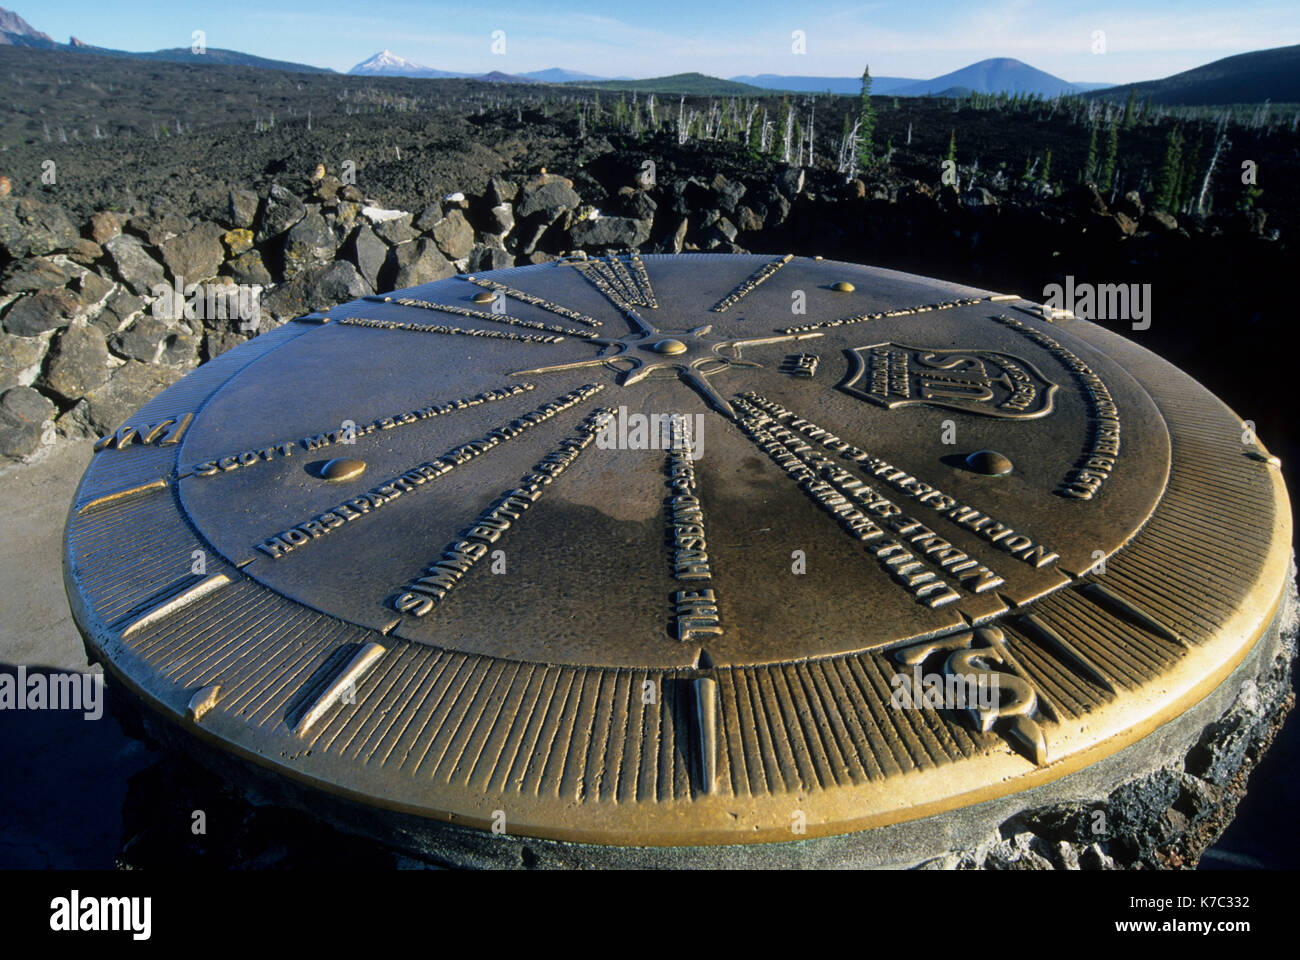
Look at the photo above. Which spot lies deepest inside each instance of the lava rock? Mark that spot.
(217, 342)
(500, 220)
(610, 232)
(637, 204)
(395, 231)
(429, 217)
(1132, 205)
(548, 195)
(747, 219)
(194, 255)
(92, 288)
(368, 253)
(160, 227)
(78, 362)
(454, 236)
(25, 276)
(38, 312)
(121, 307)
(790, 183)
(154, 340)
(487, 256)
(778, 211)
(1158, 220)
(727, 193)
(530, 235)
(417, 262)
(20, 360)
(243, 208)
(133, 264)
(722, 232)
(23, 414)
(346, 217)
(104, 226)
(130, 387)
(677, 240)
(500, 191)
(85, 252)
(320, 285)
(249, 268)
(280, 212)
(237, 241)
(328, 187)
(31, 228)
(308, 242)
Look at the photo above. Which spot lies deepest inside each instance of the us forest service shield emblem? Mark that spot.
(984, 382)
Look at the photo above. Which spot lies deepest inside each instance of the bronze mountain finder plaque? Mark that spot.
(676, 551)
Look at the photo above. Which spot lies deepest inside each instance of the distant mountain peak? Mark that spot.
(385, 60)
(496, 76)
(385, 63)
(993, 75)
(560, 75)
(14, 30)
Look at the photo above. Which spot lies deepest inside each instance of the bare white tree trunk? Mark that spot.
(1209, 172)
(812, 120)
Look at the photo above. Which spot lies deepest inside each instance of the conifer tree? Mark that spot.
(866, 122)
(1187, 179)
(1171, 171)
(1130, 108)
(1090, 162)
(1112, 156)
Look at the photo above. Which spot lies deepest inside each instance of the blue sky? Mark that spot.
(1144, 39)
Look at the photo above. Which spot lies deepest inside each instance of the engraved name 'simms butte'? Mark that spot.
(356, 507)
(210, 468)
(1001, 535)
(421, 595)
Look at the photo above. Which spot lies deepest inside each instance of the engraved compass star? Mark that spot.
(689, 352)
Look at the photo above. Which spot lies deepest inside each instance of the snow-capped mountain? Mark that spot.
(388, 64)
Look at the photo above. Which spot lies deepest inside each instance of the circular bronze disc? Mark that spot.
(659, 556)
